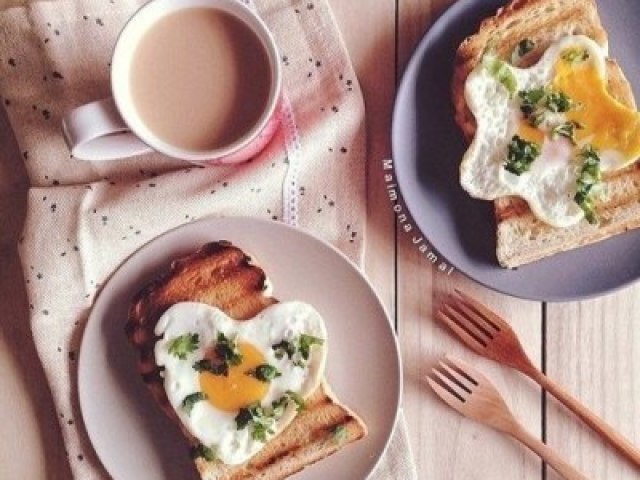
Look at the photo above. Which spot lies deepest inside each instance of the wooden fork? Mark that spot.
(489, 335)
(471, 394)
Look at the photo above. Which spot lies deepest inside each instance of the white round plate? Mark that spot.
(131, 435)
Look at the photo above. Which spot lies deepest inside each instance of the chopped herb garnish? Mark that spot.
(264, 372)
(261, 419)
(558, 102)
(190, 400)
(226, 353)
(531, 98)
(216, 368)
(567, 130)
(227, 350)
(297, 399)
(305, 342)
(298, 350)
(284, 347)
(537, 118)
(575, 55)
(501, 71)
(183, 345)
(340, 434)
(522, 49)
(588, 180)
(521, 155)
(535, 103)
(201, 451)
(279, 406)
(243, 418)
(260, 431)
(530, 105)
(283, 402)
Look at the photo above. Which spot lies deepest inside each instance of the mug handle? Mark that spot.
(97, 132)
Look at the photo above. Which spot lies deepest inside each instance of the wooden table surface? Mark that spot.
(590, 347)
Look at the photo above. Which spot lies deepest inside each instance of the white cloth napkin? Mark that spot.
(85, 218)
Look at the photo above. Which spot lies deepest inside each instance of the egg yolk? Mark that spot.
(607, 124)
(236, 390)
(530, 134)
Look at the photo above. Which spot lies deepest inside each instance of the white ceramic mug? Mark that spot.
(111, 128)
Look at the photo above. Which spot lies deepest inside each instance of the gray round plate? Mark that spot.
(427, 148)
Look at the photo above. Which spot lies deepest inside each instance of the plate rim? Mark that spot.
(448, 15)
(91, 325)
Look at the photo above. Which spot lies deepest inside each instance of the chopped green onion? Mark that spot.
(183, 345)
(264, 373)
(201, 451)
(588, 180)
(297, 399)
(284, 347)
(227, 350)
(567, 130)
(305, 342)
(521, 154)
(536, 102)
(558, 102)
(190, 400)
(501, 71)
(260, 420)
(216, 368)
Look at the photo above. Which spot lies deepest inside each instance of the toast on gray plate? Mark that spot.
(521, 237)
(222, 275)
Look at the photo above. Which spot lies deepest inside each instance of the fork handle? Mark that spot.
(603, 429)
(554, 460)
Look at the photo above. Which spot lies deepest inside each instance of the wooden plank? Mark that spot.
(372, 52)
(446, 445)
(593, 349)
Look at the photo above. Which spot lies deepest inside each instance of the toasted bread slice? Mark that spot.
(521, 237)
(223, 276)
(323, 428)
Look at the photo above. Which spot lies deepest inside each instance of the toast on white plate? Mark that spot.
(221, 275)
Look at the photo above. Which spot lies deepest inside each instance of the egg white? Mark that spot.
(549, 186)
(213, 427)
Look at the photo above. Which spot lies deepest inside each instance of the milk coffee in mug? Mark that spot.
(197, 80)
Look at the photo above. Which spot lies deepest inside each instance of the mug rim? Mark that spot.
(120, 72)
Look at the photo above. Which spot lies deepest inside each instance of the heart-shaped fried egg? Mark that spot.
(236, 384)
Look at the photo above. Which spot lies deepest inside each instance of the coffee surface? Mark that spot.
(200, 79)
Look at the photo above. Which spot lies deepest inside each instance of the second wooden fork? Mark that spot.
(489, 335)
(473, 395)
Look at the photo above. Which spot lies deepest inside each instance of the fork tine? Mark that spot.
(471, 338)
(462, 369)
(463, 319)
(448, 396)
(456, 377)
(478, 320)
(447, 384)
(491, 317)
(474, 376)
